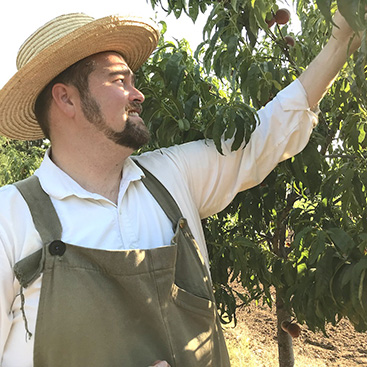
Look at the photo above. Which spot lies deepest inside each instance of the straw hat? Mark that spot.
(59, 44)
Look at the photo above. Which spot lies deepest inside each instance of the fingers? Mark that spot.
(344, 34)
(160, 364)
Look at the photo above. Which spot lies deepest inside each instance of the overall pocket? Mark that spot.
(192, 328)
(192, 303)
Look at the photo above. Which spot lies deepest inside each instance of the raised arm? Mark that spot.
(320, 74)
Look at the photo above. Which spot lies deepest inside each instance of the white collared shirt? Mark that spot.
(202, 182)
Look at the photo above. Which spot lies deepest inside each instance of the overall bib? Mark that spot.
(128, 308)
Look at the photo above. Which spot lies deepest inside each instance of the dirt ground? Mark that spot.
(257, 328)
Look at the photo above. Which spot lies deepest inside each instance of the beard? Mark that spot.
(134, 135)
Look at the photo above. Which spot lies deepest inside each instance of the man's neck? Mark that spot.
(97, 171)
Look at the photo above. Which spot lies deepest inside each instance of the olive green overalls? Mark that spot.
(128, 308)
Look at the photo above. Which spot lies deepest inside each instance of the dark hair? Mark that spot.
(76, 75)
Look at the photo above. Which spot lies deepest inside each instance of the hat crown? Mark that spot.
(48, 34)
(54, 47)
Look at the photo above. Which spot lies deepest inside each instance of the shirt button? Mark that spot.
(57, 248)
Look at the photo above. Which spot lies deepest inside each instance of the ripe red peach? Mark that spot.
(282, 16)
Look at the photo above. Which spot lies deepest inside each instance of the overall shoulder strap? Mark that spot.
(161, 194)
(47, 224)
(43, 212)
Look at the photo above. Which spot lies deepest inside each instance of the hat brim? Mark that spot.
(133, 38)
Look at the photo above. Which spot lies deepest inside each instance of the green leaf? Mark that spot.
(191, 105)
(235, 4)
(301, 236)
(252, 81)
(174, 72)
(230, 130)
(341, 239)
(323, 274)
(358, 288)
(184, 124)
(232, 45)
(218, 131)
(193, 9)
(350, 9)
(203, 6)
(164, 27)
(318, 247)
(240, 133)
(324, 6)
(290, 273)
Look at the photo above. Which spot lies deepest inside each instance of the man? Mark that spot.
(102, 257)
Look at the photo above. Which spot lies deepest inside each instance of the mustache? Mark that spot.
(134, 107)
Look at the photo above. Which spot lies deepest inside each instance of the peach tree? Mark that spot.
(303, 231)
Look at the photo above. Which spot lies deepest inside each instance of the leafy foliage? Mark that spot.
(304, 229)
(19, 159)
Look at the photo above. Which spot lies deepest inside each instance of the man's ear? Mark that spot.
(64, 97)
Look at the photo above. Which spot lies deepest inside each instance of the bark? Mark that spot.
(285, 345)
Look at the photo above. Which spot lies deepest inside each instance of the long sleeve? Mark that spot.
(213, 179)
(6, 296)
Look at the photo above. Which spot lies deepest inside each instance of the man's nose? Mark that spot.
(136, 96)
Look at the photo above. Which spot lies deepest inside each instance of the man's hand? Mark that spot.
(343, 33)
(160, 364)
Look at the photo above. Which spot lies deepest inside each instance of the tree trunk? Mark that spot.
(285, 345)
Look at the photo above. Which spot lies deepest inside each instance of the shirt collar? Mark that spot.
(59, 185)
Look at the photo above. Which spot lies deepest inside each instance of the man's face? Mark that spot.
(113, 104)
